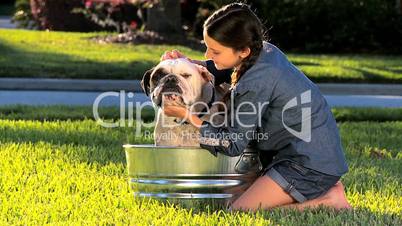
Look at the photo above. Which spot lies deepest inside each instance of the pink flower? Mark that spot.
(116, 2)
(133, 24)
(88, 4)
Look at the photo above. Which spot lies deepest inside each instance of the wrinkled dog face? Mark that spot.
(178, 79)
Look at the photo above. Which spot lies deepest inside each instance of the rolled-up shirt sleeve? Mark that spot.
(232, 138)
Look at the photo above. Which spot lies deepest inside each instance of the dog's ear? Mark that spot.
(145, 82)
(206, 75)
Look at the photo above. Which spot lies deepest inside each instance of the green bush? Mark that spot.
(57, 15)
(333, 26)
(7, 8)
(23, 15)
(120, 16)
(77, 15)
(348, 26)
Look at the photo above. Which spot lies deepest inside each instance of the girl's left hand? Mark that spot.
(182, 113)
(175, 111)
(174, 54)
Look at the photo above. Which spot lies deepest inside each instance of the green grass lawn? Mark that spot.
(72, 171)
(52, 113)
(73, 55)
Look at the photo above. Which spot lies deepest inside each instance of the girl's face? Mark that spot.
(223, 57)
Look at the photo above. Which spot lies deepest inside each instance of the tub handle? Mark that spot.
(248, 162)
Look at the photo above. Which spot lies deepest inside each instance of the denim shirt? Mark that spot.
(275, 107)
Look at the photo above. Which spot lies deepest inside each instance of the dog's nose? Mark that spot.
(171, 79)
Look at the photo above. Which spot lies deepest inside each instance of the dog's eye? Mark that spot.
(186, 75)
(158, 75)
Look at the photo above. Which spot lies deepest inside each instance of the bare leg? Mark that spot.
(266, 193)
(263, 193)
(334, 198)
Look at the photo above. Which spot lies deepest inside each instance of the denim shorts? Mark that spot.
(299, 182)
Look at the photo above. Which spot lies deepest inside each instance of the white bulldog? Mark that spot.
(187, 84)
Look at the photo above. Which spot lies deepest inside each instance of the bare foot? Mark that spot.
(336, 198)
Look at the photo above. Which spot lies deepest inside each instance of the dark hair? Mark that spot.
(237, 26)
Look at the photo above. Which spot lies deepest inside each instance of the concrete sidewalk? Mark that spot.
(5, 22)
(92, 85)
(87, 85)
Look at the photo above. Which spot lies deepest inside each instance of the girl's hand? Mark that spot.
(175, 111)
(171, 55)
(182, 113)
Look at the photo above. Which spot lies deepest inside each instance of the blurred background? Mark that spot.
(59, 166)
(330, 26)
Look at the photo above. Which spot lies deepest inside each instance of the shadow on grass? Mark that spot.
(396, 70)
(368, 76)
(305, 63)
(375, 77)
(16, 62)
(371, 74)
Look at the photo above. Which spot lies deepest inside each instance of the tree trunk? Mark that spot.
(165, 17)
(398, 6)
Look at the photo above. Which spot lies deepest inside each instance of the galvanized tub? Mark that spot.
(189, 176)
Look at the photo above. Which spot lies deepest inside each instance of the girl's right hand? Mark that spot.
(173, 54)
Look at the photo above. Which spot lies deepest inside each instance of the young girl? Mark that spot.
(307, 165)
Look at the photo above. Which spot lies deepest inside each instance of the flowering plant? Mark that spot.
(120, 15)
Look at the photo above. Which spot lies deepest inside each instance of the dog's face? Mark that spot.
(178, 79)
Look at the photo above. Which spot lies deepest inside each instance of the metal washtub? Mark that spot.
(189, 176)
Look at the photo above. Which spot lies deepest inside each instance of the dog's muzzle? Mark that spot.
(169, 87)
(170, 83)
